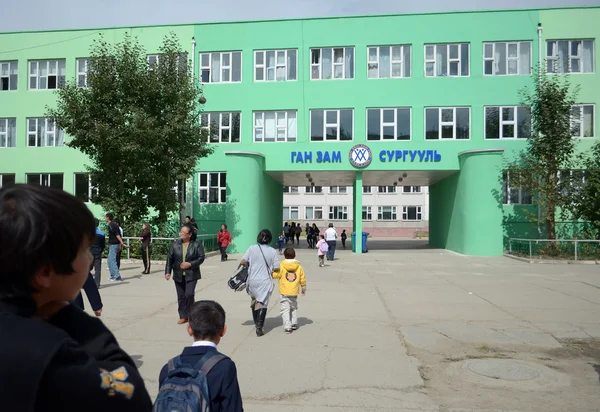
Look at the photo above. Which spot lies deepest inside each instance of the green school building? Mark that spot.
(420, 99)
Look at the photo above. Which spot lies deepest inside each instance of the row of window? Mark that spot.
(518, 195)
(344, 189)
(441, 60)
(384, 213)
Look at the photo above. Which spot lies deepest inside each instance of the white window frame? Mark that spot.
(222, 66)
(290, 210)
(266, 68)
(383, 124)
(412, 189)
(553, 57)
(367, 190)
(220, 189)
(314, 209)
(367, 214)
(392, 61)
(419, 214)
(82, 76)
(48, 178)
(14, 176)
(291, 189)
(338, 210)
(441, 124)
(287, 116)
(495, 64)
(449, 60)
(319, 65)
(501, 123)
(55, 136)
(10, 67)
(326, 125)
(6, 137)
(92, 190)
(392, 210)
(314, 190)
(579, 120)
(338, 190)
(56, 63)
(387, 189)
(221, 128)
(523, 193)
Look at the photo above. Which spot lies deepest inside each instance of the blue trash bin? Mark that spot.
(365, 235)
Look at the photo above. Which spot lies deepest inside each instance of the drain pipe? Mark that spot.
(540, 50)
(190, 183)
(193, 57)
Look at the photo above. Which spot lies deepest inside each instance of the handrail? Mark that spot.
(127, 240)
(556, 240)
(576, 243)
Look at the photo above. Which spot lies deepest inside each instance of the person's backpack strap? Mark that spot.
(208, 361)
(173, 363)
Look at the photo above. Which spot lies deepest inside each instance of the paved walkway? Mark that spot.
(390, 330)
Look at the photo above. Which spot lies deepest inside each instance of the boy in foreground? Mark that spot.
(206, 326)
(53, 356)
(291, 278)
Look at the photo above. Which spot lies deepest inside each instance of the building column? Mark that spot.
(357, 224)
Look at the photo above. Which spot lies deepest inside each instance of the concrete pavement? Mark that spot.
(391, 330)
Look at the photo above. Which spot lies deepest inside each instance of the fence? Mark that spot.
(160, 246)
(559, 249)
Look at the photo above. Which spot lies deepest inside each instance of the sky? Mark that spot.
(73, 14)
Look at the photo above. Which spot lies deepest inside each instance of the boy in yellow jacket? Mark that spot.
(291, 278)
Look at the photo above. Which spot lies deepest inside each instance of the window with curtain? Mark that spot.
(9, 75)
(222, 127)
(507, 58)
(275, 65)
(8, 132)
(47, 74)
(221, 67)
(332, 63)
(582, 120)
(570, 56)
(386, 62)
(43, 132)
(447, 60)
(275, 126)
(513, 194)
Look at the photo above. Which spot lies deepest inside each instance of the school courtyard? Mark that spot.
(415, 329)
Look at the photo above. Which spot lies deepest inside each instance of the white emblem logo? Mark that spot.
(360, 155)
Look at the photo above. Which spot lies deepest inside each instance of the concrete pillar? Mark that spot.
(357, 211)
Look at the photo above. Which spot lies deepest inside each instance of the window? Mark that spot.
(8, 132)
(9, 75)
(212, 188)
(338, 212)
(443, 60)
(338, 189)
(571, 182)
(411, 189)
(388, 124)
(43, 132)
(388, 62)
(507, 58)
(82, 71)
(507, 122)
(222, 127)
(386, 213)
(570, 56)
(513, 194)
(447, 123)
(330, 125)
(181, 61)
(332, 63)
(54, 180)
(46, 74)
(290, 189)
(85, 187)
(366, 213)
(290, 213)
(582, 121)
(386, 189)
(7, 179)
(314, 189)
(411, 213)
(366, 189)
(275, 65)
(225, 67)
(275, 126)
(313, 213)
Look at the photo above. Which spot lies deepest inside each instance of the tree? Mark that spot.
(550, 148)
(586, 193)
(138, 122)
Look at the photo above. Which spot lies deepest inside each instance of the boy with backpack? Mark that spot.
(291, 278)
(201, 377)
(322, 249)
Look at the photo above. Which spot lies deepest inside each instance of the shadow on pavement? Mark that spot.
(138, 360)
(597, 368)
(277, 322)
(111, 284)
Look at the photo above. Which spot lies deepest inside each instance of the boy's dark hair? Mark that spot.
(187, 217)
(289, 253)
(96, 222)
(322, 236)
(264, 237)
(207, 319)
(39, 226)
(110, 216)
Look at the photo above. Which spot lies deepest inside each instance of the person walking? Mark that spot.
(118, 222)
(261, 260)
(115, 243)
(298, 233)
(96, 250)
(146, 238)
(223, 239)
(93, 295)
(331, 239)
(183, 261)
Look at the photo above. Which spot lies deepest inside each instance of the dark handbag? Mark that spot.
(238, 281)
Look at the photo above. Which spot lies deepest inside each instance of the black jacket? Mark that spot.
(222, 379)
(99, 243)
(195, 256)
(70, 363)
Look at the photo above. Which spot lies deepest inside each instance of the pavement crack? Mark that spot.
(325, 364)
(364, 389)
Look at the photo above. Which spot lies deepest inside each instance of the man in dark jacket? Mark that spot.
(184, 260)
(53, 356)
(97, 249)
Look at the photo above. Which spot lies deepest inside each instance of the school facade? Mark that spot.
(400, 100)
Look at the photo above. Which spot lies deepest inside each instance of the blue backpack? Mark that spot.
(186, 387)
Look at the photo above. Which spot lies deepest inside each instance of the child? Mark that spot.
(344, 237)
(322, 249)
(206, 326)
(56, 357)
(282, 240)
(291, 278)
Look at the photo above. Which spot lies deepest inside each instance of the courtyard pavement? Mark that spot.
(415, 329)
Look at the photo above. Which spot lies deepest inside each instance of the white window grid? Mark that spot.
(336, 124)
(223, 132)
(42, 132)
(338, 189)
(92, 190)
(514, 69)
(367, 189)
(153, 59)
(338, 212)
(406, 213)
(578, 123)
(280, 71)
(397, 62)
(8, 132)
(512, 115)
(290, 213)
(411, 189)
(366, 213)
(82, 73)
(285, 126)
(521, 195)
(386, 189)
(43, 72)
(9, 75)
(290, 189)
(387, 213)
(431, 62)
(393, 124)
(214, 190)
(313, 213)
(576, 179)
(225, 73)
(6, 176)
(339, 71)
(575, 60)
(448, 123)
(55, 180)
(314, 189)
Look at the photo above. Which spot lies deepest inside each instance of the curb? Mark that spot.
(552, 261)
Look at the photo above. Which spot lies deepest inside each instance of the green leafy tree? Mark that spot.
(138, 122)
(550, 148)
(586, 193)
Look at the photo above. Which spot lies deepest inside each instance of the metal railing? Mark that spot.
(558, 249)
(160, 246)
